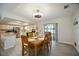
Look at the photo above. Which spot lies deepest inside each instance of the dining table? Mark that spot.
(36, 41)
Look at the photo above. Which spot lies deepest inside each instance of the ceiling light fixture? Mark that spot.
(38, 14)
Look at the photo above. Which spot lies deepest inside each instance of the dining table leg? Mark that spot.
(35, 50)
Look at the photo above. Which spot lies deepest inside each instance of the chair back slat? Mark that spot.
(24, 39)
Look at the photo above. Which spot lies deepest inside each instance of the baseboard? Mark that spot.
(76, 49)
(65, 43)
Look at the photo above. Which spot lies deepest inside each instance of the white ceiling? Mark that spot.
(25, 11)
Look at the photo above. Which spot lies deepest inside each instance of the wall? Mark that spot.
(76, 30)
(64, 28)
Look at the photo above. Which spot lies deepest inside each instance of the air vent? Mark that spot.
(66, 6)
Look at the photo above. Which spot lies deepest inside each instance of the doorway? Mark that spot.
(53, 28)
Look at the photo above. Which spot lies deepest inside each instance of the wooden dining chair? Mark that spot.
(30, 34)
(25, 45)
(47, 39)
